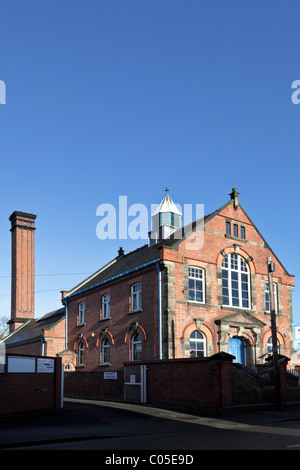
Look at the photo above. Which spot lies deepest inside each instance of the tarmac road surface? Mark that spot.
(116, 427)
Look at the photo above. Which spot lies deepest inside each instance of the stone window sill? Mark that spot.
(135, 311)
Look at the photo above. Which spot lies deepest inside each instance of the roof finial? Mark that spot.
(120, 252)
(235, 197)
(167, 190)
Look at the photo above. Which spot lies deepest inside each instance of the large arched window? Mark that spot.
(197, 344)
(235, 281)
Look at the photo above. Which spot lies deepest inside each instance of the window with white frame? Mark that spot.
(136, 347)
(235, 281)
(81, 313)
(106, 306)
(197, 344)
(196, 284)
(267, 297)
(136, 297)
(105, 351)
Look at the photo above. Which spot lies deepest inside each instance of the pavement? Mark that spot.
(81, 419)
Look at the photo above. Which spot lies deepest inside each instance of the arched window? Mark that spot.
(81, 353)
(105, 351)
(235, 281)
(197, 344)
(136, 348)
(270, 346)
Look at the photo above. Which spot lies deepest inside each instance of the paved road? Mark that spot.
(94, 425)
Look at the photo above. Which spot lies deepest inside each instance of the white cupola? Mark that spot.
(165, 220)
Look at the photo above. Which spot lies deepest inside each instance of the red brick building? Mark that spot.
(178, 297)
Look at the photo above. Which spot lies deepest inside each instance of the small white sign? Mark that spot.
(19, 365)
(45, 365)
(110, 375)
(132, 378)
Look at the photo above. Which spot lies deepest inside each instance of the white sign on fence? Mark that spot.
(18, 364)
(110, 375)
(45, 365)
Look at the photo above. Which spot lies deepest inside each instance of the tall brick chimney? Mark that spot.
(22, 269)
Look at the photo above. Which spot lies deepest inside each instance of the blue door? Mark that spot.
(236, 348)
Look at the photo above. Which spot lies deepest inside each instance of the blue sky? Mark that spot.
(109, 97)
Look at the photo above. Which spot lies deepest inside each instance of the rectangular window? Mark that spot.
(243, 233)
(136, 297)
(267, 297)
(228, 229)
(81, 353)
(235, 230)
(81, 313)
(196, 284)
(105, 352)
(106, 306)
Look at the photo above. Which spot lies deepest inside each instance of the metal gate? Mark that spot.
(135, 383)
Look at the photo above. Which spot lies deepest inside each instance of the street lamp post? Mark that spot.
(271, 269)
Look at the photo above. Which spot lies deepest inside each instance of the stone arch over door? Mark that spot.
(247, 328)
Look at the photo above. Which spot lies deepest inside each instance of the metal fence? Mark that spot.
(135, 383)
(251, 385)
(293, 378)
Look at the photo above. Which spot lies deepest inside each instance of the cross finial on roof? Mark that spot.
(167, 190)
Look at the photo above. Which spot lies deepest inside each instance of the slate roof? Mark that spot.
(33, 329)
(119, 266)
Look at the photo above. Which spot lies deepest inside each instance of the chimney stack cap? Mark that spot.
(26, 215)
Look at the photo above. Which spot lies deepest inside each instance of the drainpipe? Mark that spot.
(66, 325)
(159, 311)
(43, 346)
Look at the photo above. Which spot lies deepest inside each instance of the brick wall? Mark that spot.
(30, 391)
(94, 385)
(199, 385)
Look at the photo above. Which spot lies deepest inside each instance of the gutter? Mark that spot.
(110, 279)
